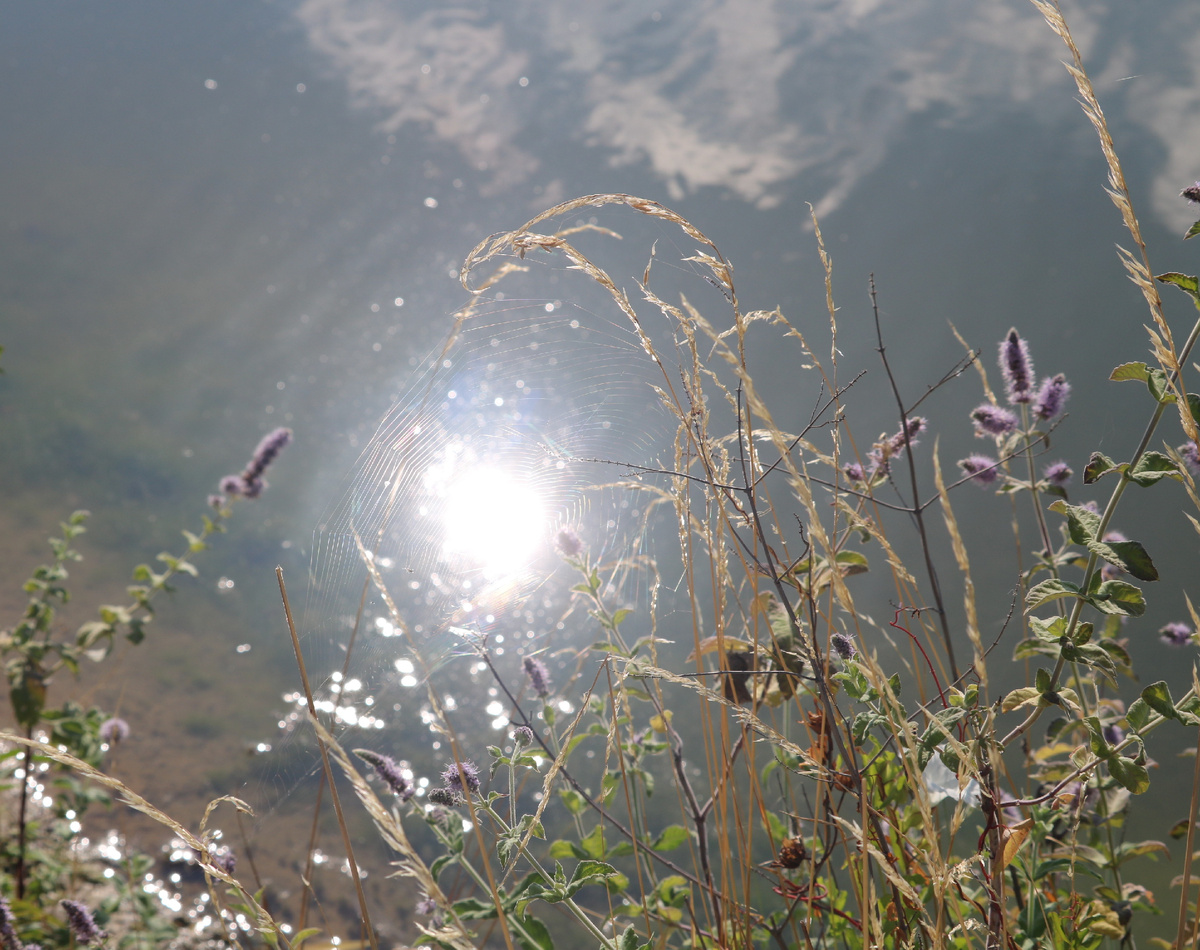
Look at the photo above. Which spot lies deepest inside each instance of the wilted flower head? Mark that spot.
(1017, 368)
(80, 920)
(391, 774)
(458, 776)
(539, 676)
(1191, 455)
(981, 469)
(843, 646)
(250, 483)
(568, 543)
(441, 796)
(1051, 397)
(114, 730)
(1058, 473)
(1191, 192)
(993, 420)
(1176, 634)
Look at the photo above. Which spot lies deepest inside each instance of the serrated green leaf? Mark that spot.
(1192, 231)
(533, 935)
(593, 844)
(1152, 467)
(1129, 371)
(1082, 523)
(1129, 556)
(1048, 590)
(1138, 715)
(1118, 597)
(1020, 697)
(1158, 385)
(1184, 282)
(566, 849)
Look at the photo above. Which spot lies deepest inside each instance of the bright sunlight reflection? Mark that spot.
(493, 519)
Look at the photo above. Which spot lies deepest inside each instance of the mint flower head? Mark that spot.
(568, 543)
(843, 646)
(1191, 192)
(114, 730)
(539, 676)
(250, 483)
(387, 770)
(79, 918)
(992, 420)
(8, 933)
(1016, 365)
(458, 776)
(1191, 455)
(1051, 397)
(980, 469)
(1058, 473)
(1176, 634)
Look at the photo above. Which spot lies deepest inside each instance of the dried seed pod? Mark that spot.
(791, 853)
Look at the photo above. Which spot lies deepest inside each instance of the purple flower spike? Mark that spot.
(1017, 368)
(1176, 634)
(896, 443)
(250, 483)
(981, 469)
(1051, 397)
(1191, 455)
(442, 796)
(1059, 473)
(843, 646)
(8, 933)
(993, 420)
(854, 472)
(458, 776)
(114, 730)
(226, 861)
(539, 676)
(391, 774)
(81, 922)
(569, 544)
(1191, 192)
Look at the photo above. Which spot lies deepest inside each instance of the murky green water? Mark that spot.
(219, 219)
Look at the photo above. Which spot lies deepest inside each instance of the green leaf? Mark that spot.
(1158, 386)
(1020, 697)
(1158, 697)
(566, 849)
(590, 872)
(1048, 590)
(1082, 523)
(1129, 556)
(1118, 597)
(304, 935)
(1184, 282)
(1128, 371)
(1138, 715)
(538, 936)
(1099, 464)
(572, 799)
(472, 909)
(593, 844)
(671, 838)
(1132, 776)
(1192, 231)
(1152, 467)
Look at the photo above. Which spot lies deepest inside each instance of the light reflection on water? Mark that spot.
(266, 226)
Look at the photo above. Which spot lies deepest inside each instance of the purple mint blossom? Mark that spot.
(980, 468)
(1191, 455)
(391, 774)
(1114, 536)
(1191, 192)
(459, 775)
(907, 435)
(1058, 473)
(568, 543)
(854, 472)
(426, 906)
(1091, 506)
(1017, 368)
(1176, 634)
(993, 420)
(523, 735)
(216, 502)
(539, 676)
(250, 483)
(843, 646)
(1051, 397)
(226, 861)
(80, 920)
(1113, 734)
(114, 730)
(8, 933)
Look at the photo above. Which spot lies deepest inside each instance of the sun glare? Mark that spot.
(494, 519)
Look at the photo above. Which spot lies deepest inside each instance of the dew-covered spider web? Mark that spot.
(540, 414)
